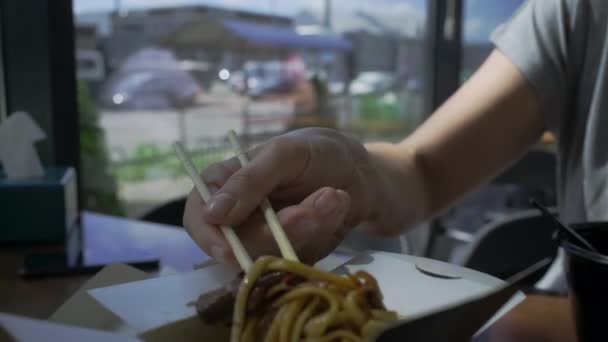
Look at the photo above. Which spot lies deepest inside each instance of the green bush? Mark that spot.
(149, 161)
(98, 184)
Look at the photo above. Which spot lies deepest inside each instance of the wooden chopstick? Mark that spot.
(269, 214)
(242, 257)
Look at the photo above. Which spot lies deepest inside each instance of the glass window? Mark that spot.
(151, 73)
(3, 113)
(480, 19)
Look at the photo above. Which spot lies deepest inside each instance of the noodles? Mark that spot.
(306, 304)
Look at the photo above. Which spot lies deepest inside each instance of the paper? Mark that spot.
(139, 304)
(190, 329)
(27, 329)
(455, 284)
(18, 155)
(151, 303)
(450, 318)
(83, 311)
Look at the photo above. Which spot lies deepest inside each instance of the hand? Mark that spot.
(316, 180)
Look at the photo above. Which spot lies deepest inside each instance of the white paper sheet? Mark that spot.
(414, 293)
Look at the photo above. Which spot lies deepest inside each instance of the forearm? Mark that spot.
(397, 190)
(483, 127)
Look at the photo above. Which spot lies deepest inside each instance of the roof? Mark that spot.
(265, 34)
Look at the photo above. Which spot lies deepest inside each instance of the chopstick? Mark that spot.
(269, 214)
(242, 257)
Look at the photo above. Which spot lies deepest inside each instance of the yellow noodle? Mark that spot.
(288, 319)
(250, 330)
(372, 328)
(323, 307)
(280, 287)
(240, 304)
(338, 334)
(351, 306)
(273, 331)
(296, 333)
(316, 326)
(383, 315)
(310, 273)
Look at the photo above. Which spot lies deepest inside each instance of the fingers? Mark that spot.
(314, 227)
(206, 236)
(216, 175)
(243, 191)
(321, 228)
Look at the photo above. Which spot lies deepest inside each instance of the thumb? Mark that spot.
(274, 163)
(316, 226)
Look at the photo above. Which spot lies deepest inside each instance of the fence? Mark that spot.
(151, 161)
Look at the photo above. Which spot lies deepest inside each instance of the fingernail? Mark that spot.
(220, 205)
(327, 203)
(218, 254)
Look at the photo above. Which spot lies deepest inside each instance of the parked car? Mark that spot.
(371, 82)
(150, 79)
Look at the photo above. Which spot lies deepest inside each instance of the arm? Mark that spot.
(487, 124)
(325, 183)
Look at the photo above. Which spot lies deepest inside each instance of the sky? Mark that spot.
(405, 16)
(481, 17)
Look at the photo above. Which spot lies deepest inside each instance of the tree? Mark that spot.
(98, 183)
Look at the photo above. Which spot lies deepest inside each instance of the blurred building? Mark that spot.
(134, 30)
(224, 37)
(90, 63)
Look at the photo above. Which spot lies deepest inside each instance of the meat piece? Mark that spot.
(217, 306)
(257, 296)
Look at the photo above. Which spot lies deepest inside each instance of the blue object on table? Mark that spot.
(39, 209)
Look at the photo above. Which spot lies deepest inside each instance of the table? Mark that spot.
(538, 318)
(106, 239)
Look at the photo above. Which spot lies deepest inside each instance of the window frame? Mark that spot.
(443, 50)
(39, 76)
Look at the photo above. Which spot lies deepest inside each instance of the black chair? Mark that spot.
(533, 176)
(170, 213)
(509, 245)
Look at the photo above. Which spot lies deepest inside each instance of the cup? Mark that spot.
(587, 275)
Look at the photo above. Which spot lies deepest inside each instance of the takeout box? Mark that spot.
(123, 300)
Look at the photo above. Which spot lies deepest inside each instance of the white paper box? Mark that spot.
(152, 303)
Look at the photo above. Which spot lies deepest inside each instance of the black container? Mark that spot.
(587, 275)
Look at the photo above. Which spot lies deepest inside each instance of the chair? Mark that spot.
(533, 176)
(511, 244)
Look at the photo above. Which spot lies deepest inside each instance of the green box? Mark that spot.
(41, 209)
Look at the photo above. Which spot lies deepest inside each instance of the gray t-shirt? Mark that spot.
(561, 47)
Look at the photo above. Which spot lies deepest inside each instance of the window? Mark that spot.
(190, 71)
(3, 113)
(480, 19)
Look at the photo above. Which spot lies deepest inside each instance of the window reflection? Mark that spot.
(190, 71)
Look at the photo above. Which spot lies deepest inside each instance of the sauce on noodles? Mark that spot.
(307, 305)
